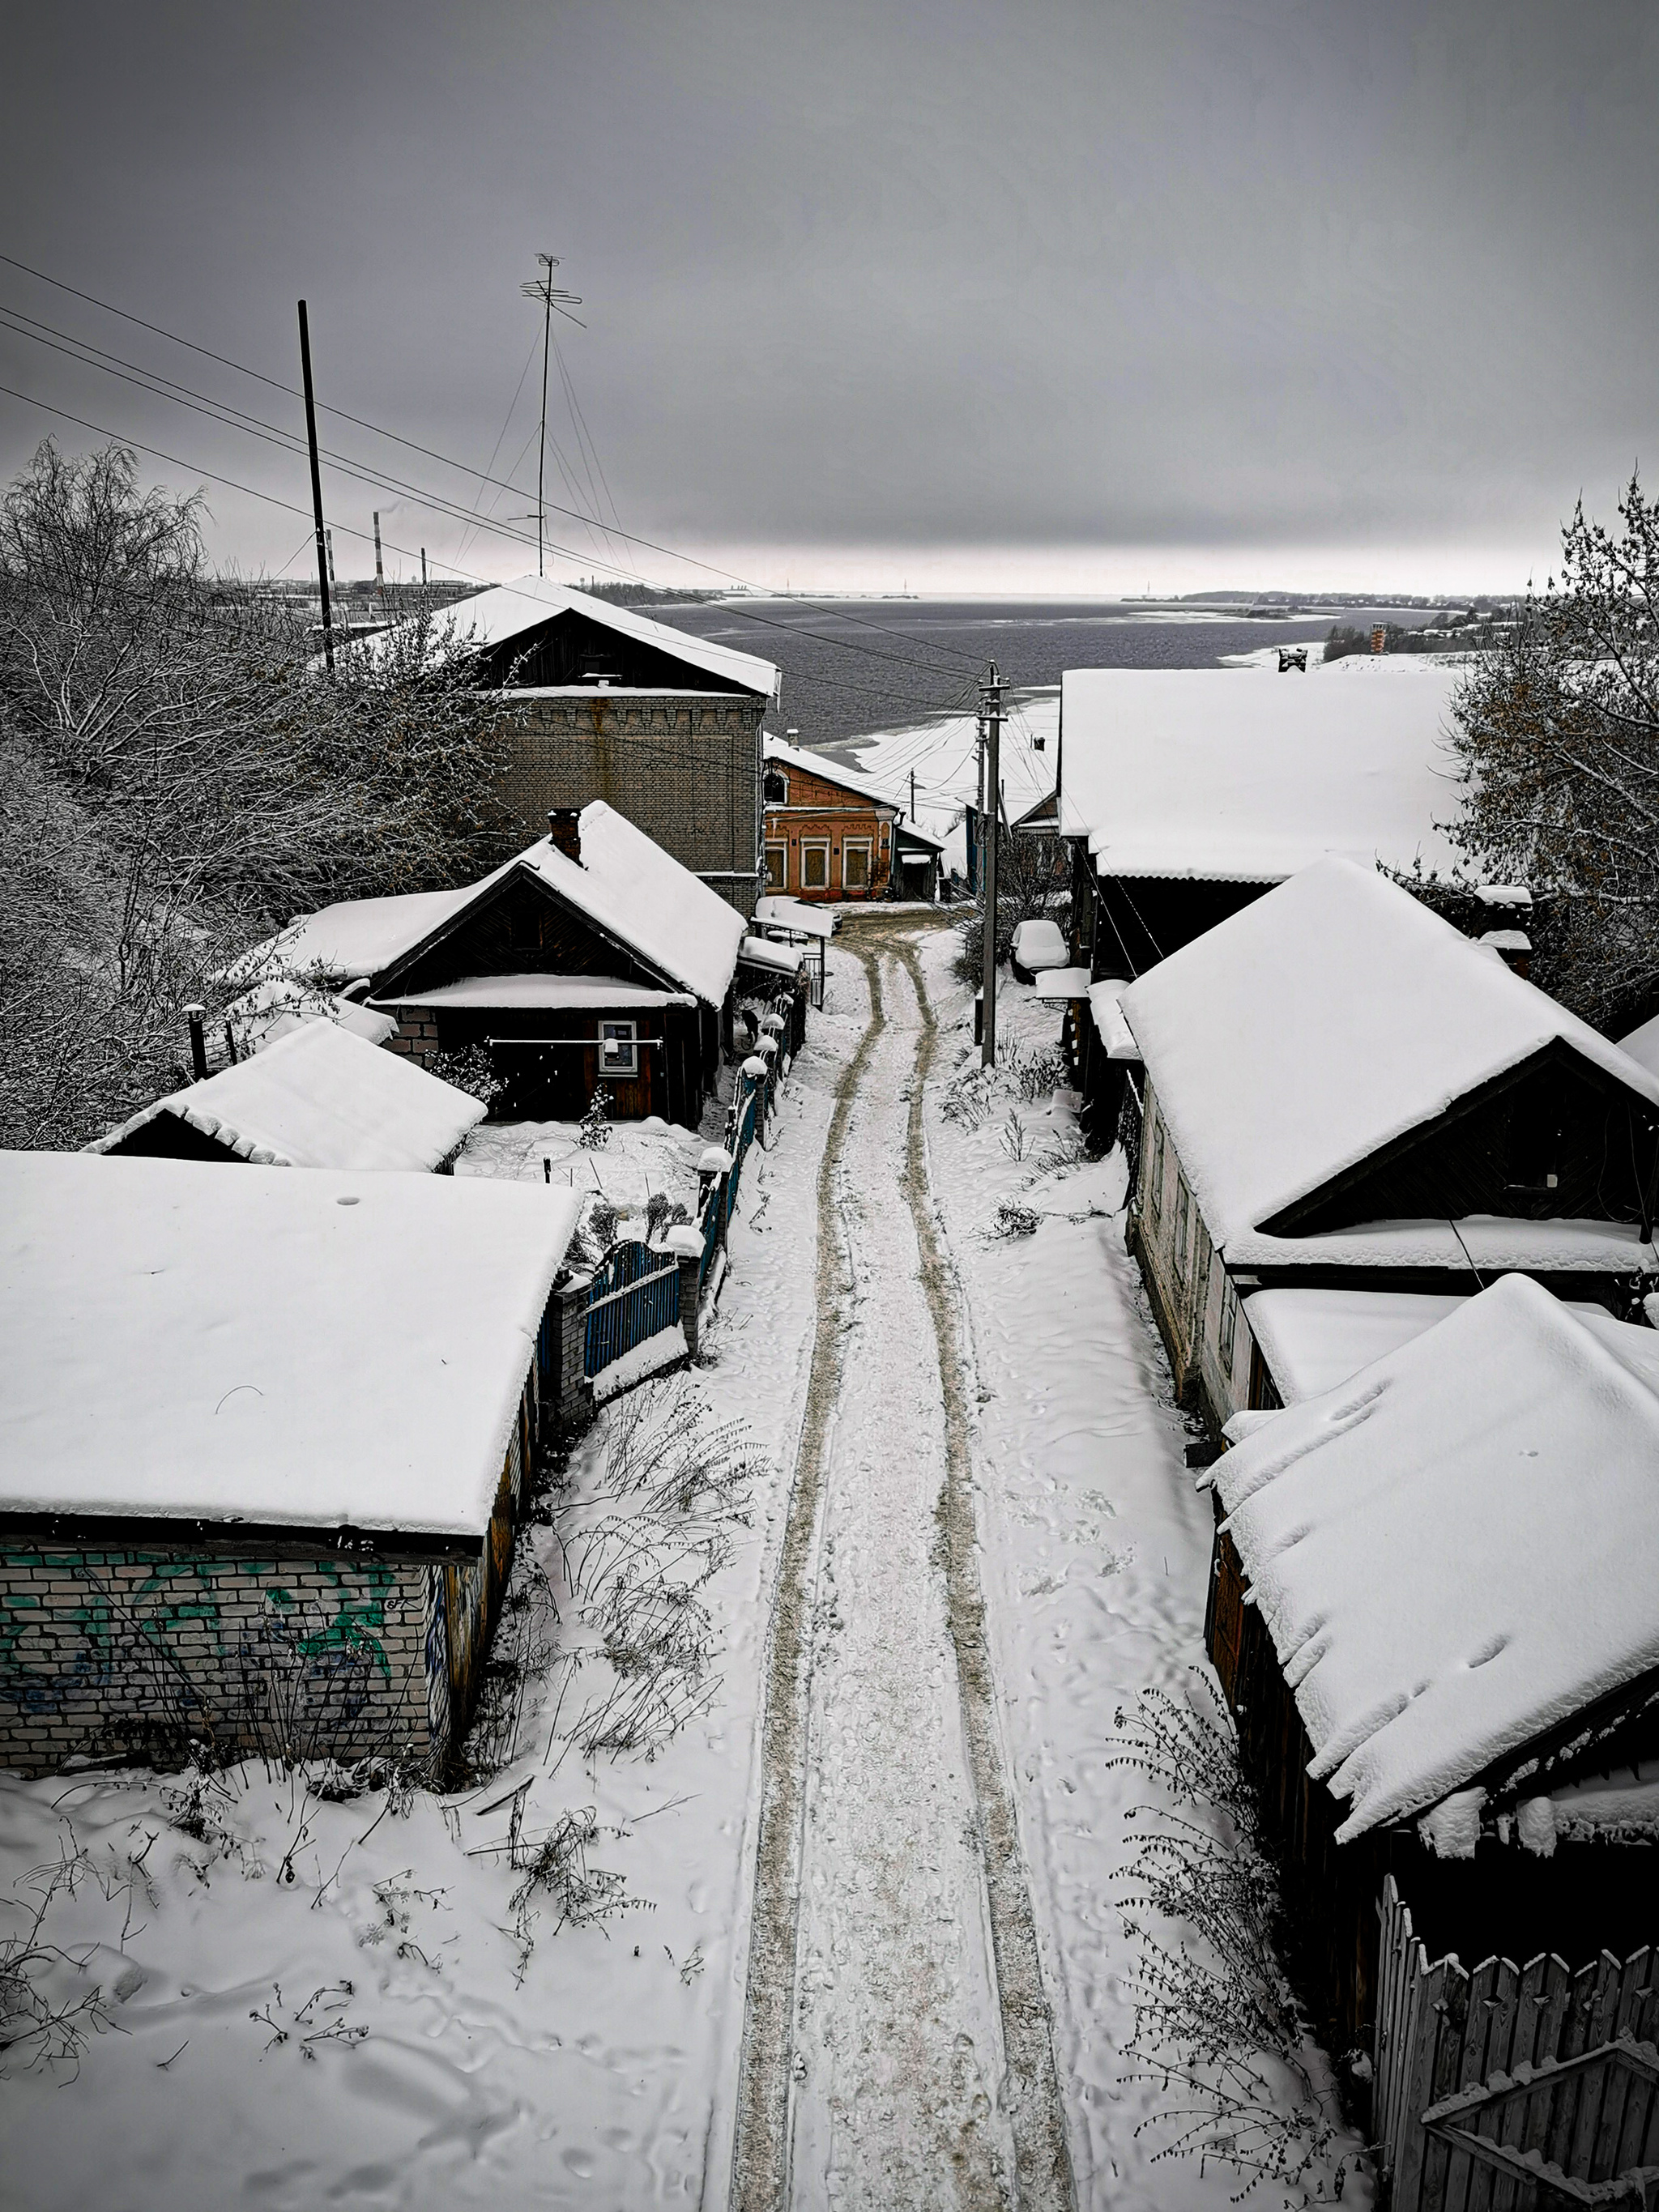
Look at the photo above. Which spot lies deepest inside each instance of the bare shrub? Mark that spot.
(1217, 2025)
(1013, 1219)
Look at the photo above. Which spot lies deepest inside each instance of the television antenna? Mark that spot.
(551, 295)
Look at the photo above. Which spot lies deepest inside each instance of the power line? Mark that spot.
(431, 453)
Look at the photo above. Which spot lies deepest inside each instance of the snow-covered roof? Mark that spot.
(1238, 776)
(778, 911)
(779, 754)
(292, 1351)
(543, 991)
(1515, 1436)
(271, 1010)
(1061, 983)
(320, 1097)
(1488, 1244)
(1105, 1004)
(762, 952)
(1314, 1340)
(1643, 1045)
(353, 938)
(641, 895)
(1329, 1017)
(507, 611)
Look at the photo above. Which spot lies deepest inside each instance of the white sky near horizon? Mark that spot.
(1084, 296)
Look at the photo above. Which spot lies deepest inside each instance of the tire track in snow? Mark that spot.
(760, 2151)
(761, 2174)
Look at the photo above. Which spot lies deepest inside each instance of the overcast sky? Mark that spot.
(1029, 295)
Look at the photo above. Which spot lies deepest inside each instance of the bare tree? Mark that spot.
(1557, 728)
(182, 778)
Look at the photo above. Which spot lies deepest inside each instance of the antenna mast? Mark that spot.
(543, 288)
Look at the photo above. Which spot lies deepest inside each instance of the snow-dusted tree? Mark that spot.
(201, 779)
(1559, 733)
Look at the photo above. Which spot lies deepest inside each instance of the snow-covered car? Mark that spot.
(1037, 944)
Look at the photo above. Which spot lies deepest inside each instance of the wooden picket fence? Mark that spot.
(1511, 2088)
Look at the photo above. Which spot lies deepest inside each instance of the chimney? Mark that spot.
(193, 1015)
(564, 830)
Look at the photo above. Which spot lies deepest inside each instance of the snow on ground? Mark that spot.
(641, 1158)
(326, 2003)
(1095, 1561)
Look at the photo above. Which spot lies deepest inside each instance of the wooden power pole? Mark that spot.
(316, 488)
(992, 701)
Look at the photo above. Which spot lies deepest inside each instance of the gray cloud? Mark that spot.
(1322, 279)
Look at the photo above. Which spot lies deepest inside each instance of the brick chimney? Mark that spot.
(564, 830)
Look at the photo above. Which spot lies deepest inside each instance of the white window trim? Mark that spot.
(858, 845)
(781, 847)
(783, 775)
(814, 845)
(609, 1036)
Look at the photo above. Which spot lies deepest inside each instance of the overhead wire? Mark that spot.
(430, 453)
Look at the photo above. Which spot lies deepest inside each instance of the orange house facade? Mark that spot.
(826, 834)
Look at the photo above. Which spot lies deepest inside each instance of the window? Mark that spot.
(855, 863)
(1201, 1284)
(619, 1050)
(775, 787)
(777, 867)
(815, 864)
(1183, 1222)
(1228, 1321)
(1155, 1170)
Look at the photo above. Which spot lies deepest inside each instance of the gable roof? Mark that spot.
(776, 752)
(186, 1344)
(1241, 775)
(1642, 1044)
(631, 890)
(353, 938)
(507, 612)
(1329, 1018)
(320, 1098)
(1522, 1438)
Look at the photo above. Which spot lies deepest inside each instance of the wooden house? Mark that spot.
(1188, 793)
(1340, 1091)
(1435, 1618)
(263, 1442)
(829, 833)
(592, 959)
(316, 1097)
(601, 702)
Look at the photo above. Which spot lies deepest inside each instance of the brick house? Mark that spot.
(601, 702)
(829, 835)
(1343, 1093)
(264, 1438)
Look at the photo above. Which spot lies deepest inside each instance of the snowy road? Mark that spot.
(897, 2046)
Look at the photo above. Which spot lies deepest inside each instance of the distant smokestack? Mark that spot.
(195, 1015)
(564, 830)
(380, 576)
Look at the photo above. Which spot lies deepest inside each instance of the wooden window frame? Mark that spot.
(1181, 1225)
(783, 852)
(611, 1033)
(866, 845)
(814, 845)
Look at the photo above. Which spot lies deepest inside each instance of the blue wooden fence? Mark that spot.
(633, 1295)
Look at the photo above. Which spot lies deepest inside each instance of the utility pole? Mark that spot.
(423, 567)
(993, 704)
(543, 288)
(913, 796)
(380, 576)
(328, 536)
(316, 488)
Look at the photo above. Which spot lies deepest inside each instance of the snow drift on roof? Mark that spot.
(353, 938)
(1490, 1243)
(320, 1097)
(778, 911)
(551, 992)
(272, 1009)
(1326, 1018)
(1246, 777)
(641, 895)
(295, 1351)
(510, 610)
(1513, 1436)
(762, 952)
(777, 753)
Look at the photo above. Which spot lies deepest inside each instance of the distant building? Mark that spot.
(829, 833)
(601, 703)
(264, 1442)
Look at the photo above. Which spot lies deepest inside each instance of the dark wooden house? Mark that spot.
(1434, 1619)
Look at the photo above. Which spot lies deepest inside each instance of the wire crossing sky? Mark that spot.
(1038, 297)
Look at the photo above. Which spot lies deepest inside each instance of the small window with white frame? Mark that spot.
(855, 863)
(619, 1048)
(777, 867)
(814, 864)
